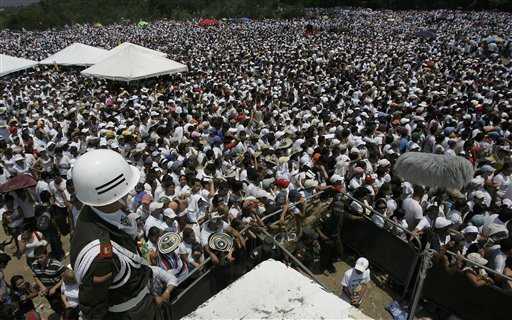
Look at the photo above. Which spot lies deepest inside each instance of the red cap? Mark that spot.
(283, 183)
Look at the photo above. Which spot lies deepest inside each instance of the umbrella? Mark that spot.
(434, 170)
(18, 182)
(208, 22)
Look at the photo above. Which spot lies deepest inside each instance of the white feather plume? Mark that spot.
(434, 170)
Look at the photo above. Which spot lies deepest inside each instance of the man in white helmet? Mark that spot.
(113, 277)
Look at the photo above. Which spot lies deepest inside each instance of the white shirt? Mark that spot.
(197, 205)
(413, 211)
(497, 260)
(207, 232)
(70, 291)
(59, 192)
(252, 190)
(162, 279)
(352, 279)
(424, 223)
(151, 221)
(36, 240)
(40, 187)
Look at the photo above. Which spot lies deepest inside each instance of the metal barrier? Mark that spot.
(388, 252)
(202, 288)
(454, 292)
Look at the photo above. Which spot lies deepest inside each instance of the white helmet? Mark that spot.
(102, 177)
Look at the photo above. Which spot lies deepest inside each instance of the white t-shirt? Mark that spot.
(35, 241)
(352, 279)
(154, 222)
(40, 187)
(497, 260)
(413, 211)
(424, 223)
(206, 232)
(59, 192)
(162, 279)
(70, 291)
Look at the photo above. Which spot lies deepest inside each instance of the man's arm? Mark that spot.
(42, 288)
(55, 288)
(213, 256)
(237, 235)
(94, 295)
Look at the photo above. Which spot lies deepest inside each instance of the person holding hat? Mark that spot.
(171, 255)
(216, 224)
(474, 272)
(354, 284)
(104, 242)
(470, 234)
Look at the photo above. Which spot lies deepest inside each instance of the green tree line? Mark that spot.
(55, 13)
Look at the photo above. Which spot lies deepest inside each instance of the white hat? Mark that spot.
(336, 178)
(487, 169)
(362, 264)
(155, 205)
(169, 213)
(479, 181)
(414, 146)
(479, 195)
(383, 163)
(310, 183)
(507, 203)
(442, 222)
(477, 258)
(455, 218)
(470, 229)
(18, 157)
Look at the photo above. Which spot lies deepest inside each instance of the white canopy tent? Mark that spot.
(77, 54)
(133, 63)
(125, 45)
(10, 64)
(274, 291)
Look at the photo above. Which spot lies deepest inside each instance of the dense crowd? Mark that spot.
(270, 113)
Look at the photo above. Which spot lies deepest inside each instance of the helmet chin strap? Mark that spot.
(112, 207)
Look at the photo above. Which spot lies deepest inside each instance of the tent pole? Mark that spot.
(426, 263)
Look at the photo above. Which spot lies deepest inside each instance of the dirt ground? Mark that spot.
(20, 267)
(377, 298)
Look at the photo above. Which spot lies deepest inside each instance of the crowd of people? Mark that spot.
(267, 116)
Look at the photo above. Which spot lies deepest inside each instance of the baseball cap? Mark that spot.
(155, 205)
(487, 169)
(336, 178)
(362, 264)
(470, 229)
(169, 213)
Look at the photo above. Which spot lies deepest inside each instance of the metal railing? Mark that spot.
(242, 232)
(499, 274)
(411, 235)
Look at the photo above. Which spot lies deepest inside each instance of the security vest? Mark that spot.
(113, 277)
